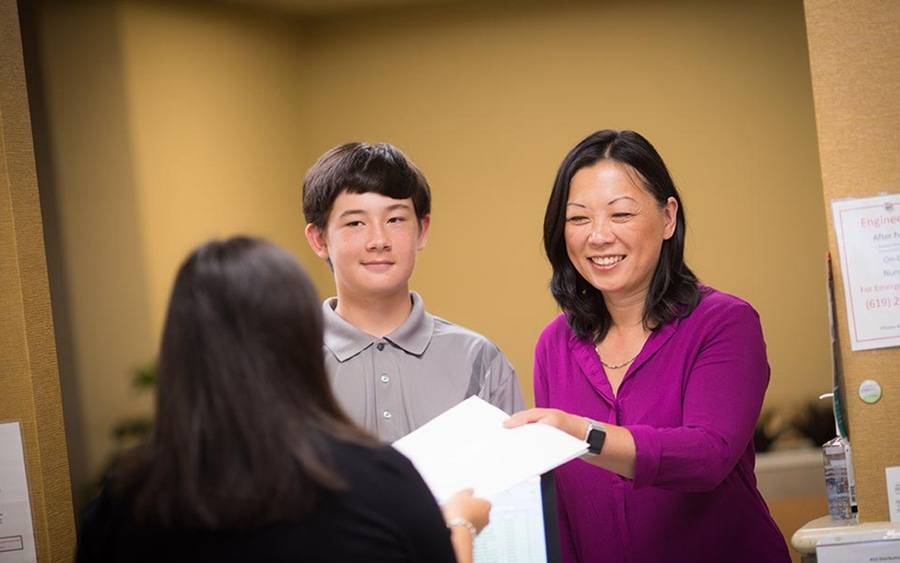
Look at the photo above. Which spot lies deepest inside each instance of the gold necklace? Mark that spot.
(614, 366)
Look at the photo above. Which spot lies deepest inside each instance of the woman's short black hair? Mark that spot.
(361, 168)
(244, 413)
(674, 289)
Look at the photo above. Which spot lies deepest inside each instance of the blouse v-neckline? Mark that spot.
(588, 359)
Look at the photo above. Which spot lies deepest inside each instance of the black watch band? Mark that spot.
(595, 437)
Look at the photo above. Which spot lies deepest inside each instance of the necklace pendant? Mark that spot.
(615, 366)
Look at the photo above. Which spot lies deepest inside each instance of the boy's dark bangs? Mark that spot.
(384, 181)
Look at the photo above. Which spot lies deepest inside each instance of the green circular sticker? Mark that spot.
(870, 391)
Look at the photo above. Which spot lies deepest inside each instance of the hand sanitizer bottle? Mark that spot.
(840, 485)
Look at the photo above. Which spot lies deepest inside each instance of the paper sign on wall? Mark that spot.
(867, 231)
(16, 532)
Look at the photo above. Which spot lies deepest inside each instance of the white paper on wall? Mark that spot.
(867, 231)
(16, 532)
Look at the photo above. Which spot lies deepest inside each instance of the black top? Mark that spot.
(386, 515)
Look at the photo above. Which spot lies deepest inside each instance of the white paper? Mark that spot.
(859, 547)
(516, 531)
(16, 532)
(467, 446)
(867, 231)
(892, 477)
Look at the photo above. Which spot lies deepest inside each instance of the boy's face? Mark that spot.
(372, 241)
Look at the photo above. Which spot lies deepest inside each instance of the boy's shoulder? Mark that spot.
(443, 327)
(461, 342)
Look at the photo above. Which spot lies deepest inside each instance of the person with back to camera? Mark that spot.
(251, 459)
(663, 377)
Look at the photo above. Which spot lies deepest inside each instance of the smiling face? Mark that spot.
(372, 241)
(615, 229)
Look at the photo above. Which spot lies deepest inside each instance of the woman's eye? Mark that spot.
(622, 216)
(577, 219)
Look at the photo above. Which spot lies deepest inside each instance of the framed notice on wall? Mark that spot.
(16, 532)
(867, 231)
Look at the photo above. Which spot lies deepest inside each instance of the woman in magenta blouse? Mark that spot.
(663, 377)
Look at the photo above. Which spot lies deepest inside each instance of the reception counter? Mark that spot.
(807, 538)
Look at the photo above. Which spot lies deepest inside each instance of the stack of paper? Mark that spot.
(467, 446)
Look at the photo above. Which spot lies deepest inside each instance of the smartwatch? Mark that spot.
(595, 437)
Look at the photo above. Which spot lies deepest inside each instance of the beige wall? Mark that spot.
(169, 124)
(29, 381)
(214, 104)
(173, 123)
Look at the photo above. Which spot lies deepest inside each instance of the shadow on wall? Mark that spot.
(87, 146)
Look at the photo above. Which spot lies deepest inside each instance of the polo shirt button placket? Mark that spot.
(385, 414)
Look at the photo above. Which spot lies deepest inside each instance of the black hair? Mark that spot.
(361, 168)
(245, 415)
(674, 289)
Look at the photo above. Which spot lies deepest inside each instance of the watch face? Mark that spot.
(595, 439)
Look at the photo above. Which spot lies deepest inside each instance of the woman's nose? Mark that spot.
(601, 234)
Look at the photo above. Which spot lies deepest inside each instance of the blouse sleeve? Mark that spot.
(721, 403)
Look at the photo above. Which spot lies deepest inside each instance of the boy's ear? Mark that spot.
(316, 239)
(424, 223)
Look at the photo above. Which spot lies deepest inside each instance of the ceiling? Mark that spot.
(324, 7)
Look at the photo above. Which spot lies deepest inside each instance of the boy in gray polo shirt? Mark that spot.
(392, 365)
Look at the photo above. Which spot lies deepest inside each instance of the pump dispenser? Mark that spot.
(840, 484)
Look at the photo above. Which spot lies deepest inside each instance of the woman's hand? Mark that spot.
(469, 507)
(619, 452)
(575, 426)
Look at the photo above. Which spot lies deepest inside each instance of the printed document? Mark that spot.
(16, 533)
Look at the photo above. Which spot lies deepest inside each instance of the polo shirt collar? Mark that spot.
(345, 340)
(415, 332)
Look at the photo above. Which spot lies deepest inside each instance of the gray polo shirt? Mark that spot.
(393, 385)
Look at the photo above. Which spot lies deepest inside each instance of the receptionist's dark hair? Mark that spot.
(245, 415)
(674, 289)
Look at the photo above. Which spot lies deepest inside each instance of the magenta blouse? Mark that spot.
(690, 399)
